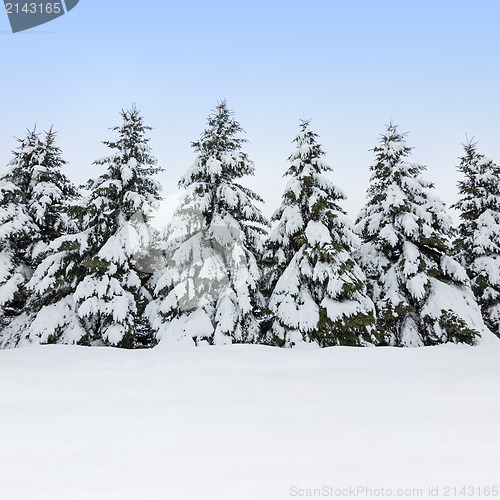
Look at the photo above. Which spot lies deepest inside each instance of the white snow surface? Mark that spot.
(245, 422)
(317, 233)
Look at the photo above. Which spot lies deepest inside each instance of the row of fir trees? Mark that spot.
(89, 270)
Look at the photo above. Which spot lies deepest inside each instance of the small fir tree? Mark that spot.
(422, 295)
(477, 244)
(208, 291)
(316, 291)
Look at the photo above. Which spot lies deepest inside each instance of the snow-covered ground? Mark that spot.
(246, 422)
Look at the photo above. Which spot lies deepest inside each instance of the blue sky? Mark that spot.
(351, 66)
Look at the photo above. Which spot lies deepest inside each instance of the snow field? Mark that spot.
(244, 421)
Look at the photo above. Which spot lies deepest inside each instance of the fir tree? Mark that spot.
(477, 244)
(422, 295)
(111, 297)
(208, 291)
(52, 193)
(317, 291)
(35, 198)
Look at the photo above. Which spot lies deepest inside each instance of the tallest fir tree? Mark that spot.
(208, 292)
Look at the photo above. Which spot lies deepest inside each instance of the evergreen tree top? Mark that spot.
(36, 160)
(40, 185)
(390, 164)
(312, 192)
(307, 157)
(218, 165)
(219, 156)
(29, 152)
(310, 204)
(127, 186)
(479, 205)
(401, 204)
(132, 144)
(220, 136)
(480, 189)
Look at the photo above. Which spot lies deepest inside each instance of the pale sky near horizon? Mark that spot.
(350, 66)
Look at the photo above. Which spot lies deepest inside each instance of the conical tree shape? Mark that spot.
(52, 193)
(317, 291)
(477, 243)
(111, 298)
(35, 200)
(208, 291)
(422, 295)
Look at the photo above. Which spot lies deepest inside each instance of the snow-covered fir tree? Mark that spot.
(317, 292)
(421, 294)
(111, 297)
(91, 290)
(35, 196)
(208, 291)
(51, 195)
(477, 244)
